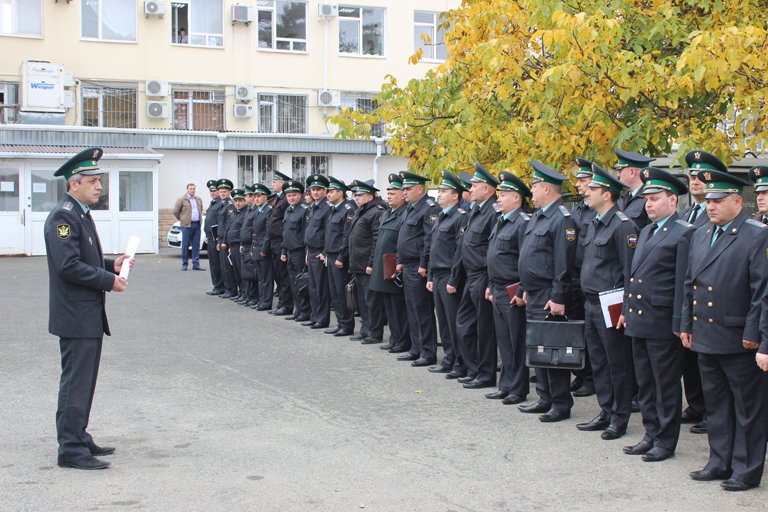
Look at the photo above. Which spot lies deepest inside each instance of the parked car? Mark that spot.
(174, 237)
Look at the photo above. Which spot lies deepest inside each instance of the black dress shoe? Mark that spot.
(707, 475)
(407, 357)
(689, 416)
(701, 427)
(534, 408)
(87, 462)
(357, 337)
(307, 323)
(99, 451)
(280, 312)
(465, 379)
(263, 308)
(613, 432)
(253, 304)
(657, 454)
(318, 326)
(640, 448)
(370, 340)
(596, 423)
(453, 375)
(513, 399)
(198, 268)
(290, 317)
(553, 416)
(385, 346)
(479, 384)
(214, 292)
(301, 319)
(439, 369)
(421, 362)
(343, 332)
(584, 390)
(497, 395)
(227, 295)
(332, 330)
(736, 485)
(398, 350)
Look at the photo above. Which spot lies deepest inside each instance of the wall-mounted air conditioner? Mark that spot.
(154, 8)
(242, 14)
(244, 92)
(328, 98)
(243, 111)
(156, 88)
(158, 110)
(328, 10)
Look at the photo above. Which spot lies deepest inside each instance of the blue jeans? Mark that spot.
(192, 232)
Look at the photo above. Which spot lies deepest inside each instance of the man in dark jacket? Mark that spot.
(293, 251)
(226, 210)
(211, 216)
(79, 277)
(247, 263)
(362, 244)
(274, 250)
(314, 240)
(388, 283)
(260, 246)
(232, 237)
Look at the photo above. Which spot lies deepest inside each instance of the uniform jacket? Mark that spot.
(182, 210)
(724, 286)
(653, 297)
(363, 233)
(504, 249)
(293, 228)
(608, 249)
(634, 208)
(236, 219)
(79, 275)
(473, 246)
(275, 225)
(211, 218)
(444, 251)
(582, 215)
(226, 210)
(314, 233)
(413, 244)
(548, 252)
(246, 228)
(386, 243)
(259, 232)
(337, 230)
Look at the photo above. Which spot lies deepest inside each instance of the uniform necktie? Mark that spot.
(654, 227)
(764, 219)
(694, 214)
(716, 236)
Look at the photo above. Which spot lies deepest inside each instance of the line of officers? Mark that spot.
(693, 283)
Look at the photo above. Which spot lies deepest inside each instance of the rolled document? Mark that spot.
(133, 244)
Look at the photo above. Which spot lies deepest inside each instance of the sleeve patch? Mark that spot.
(632, 240)
(433, 218)
(570, 234)
(63, 231)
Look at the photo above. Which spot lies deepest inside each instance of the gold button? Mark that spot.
(709, 288)
(710, 304)
(711, 320)
(695, 317)
(639, 296)
(695, 302)
(639, 311)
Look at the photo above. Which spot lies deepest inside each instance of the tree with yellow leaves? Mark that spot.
(556, 80)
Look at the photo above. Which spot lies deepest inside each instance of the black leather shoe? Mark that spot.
(479, 384)
(370, 340)
(343, 332)
(635, 405)
(214, 292)
(596, 423)
(301, 319)
(87, 462)
(640, 448)
(422, 362)
(291, 317)
(553, 416)
(497, 395)
(385, 346)
(253, 304)
(613, 432)
(465, 379)
(657, 454)
(398, 350)
(689, 416)
(357, 337)
(307, 323)
(701, 427)
(280, 312)
(453, 375)
(513, 399)
(198, 268)
(332, 330)
(583, 391)
(707, 475)
(227, 295)
(534, 408)
(99, 451)
(318, 326)
(439, 369)
(407, 357)
(736, 485)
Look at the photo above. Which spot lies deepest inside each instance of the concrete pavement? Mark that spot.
(215, 407)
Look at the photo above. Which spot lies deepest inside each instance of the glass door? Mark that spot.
(13, 208)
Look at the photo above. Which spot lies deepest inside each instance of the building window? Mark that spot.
(361, 30)
(428, 23)
(282, 113)
(366, 105)
(197, 22)
(9, 189)
(113, 20)
(302, 165)
(109, 107)
(135, 191)
(256, 169)
(21, 17)
(9, 99)
(198, 110)
(282, 25)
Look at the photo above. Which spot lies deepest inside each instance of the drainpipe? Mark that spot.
(220, 155)
(379, 153)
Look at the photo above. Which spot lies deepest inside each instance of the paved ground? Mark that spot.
(214, 407)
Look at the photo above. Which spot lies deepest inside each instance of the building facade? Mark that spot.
(189, 90)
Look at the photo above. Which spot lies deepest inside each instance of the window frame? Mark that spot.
(99, 24)
(273, 25)
(190, 16)
(14, 20)
(101, 90)
(360, 34)
(275, 114)
(191, 101)
(435, 29)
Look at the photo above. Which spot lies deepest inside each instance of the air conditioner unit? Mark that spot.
(158, 110)
(156, 88)
(327, 98)
(244, 92)
(328, 10)
(243, 110)
(242, 14)
(154, 8)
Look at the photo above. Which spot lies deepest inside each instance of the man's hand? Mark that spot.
(621, 323)
(762, 361)
(120, 260)
(488, 295)
(686, 339)
(430, 284)
(450, 289)
(229, 251)
(242, 249)
(119, 285)
(218, 247)
(554, 308)
(369, 270)
(750, 345)
(339, 264)
(283, 257)
(517, 301)
(422, 272)
(399, 267)
(321, 257)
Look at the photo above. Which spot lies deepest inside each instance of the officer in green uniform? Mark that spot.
(628, 168)
(759, 177)
(211, 215)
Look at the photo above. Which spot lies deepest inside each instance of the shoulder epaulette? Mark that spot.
(461, 211)
(755, 223)
(684, 223)
(304, 206)
(380, 207)
(564, 211)
(430, 201)
(347, 206)
(495, 207)
(525, 216)
(621, 216)
(67, 206)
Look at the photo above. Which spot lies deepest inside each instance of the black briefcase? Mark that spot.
(555, 342)
(350, 293)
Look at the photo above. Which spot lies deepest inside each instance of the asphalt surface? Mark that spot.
(215, 407)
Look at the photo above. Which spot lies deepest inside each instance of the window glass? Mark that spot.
(47, 190)
(361, 30)
(9, 190)
(103, 202)
(21, 17)
(135, 191)
(113, 20)
(427, 23)
(282, 25)
(197, 22)
(110, 107)
(299, 168)
(198, 110)
(282, 113)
